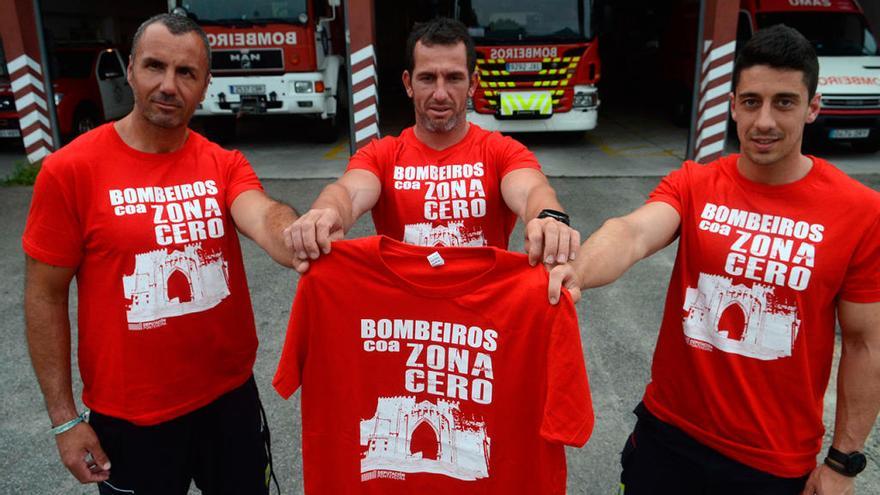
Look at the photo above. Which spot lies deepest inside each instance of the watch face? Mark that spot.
(856, 463)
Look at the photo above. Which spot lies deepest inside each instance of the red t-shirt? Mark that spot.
(448, 380)
(165, 319)
(745, 348)
(450, 197)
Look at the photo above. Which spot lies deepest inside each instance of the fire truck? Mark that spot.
(8, 115)
(849, 64)
(280, 57)
(538, 64)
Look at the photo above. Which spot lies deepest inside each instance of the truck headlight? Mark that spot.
(303, 87)
(58, 97)
(585, 96)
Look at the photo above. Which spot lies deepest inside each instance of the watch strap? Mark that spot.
(557, 215)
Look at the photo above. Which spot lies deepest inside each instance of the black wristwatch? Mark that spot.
(846, 464)
(555, 215)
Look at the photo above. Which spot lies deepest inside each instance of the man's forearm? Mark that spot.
(858, 392)
(540, 198)
(336, 197)
(48, 336)
(276, 218)
(607, 254)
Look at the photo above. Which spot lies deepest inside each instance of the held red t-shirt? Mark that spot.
(165, 319)
(745, 348)
(448, 380)
(450, 197)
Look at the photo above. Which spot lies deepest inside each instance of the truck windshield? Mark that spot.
(512, 21)
(253, 11)
(833, 35)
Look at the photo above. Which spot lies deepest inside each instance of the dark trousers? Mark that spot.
(660, 459)
(221, 446)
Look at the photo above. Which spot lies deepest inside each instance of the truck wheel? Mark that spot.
(84, 120)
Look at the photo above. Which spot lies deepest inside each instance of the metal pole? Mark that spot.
(695, 96)
(47, 80)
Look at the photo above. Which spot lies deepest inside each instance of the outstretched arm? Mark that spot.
(263, 220)
(526, 192)
(337, 208)
(615, 247)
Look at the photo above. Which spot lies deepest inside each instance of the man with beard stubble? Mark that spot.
(144, 212)
(443, 181)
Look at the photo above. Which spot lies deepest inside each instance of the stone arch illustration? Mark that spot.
(410, 436)
(714, 308)
(167, 284)
(425, 440)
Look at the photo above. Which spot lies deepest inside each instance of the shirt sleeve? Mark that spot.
(288, 376)
(513, 155)
(568, 410)
(240, 177)
(53, 233)
(862, 281)
(369, 158)
(672, 189)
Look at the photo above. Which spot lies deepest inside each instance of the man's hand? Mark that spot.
(825, 481)
(82, 454)
(563, 276)
(551, 242)
(311, 234)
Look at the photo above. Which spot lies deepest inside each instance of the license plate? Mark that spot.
(849, 133)
(526, 103)
(9, 133)
(523, 66)
(248, 89)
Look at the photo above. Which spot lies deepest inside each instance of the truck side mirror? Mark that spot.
(333, 3)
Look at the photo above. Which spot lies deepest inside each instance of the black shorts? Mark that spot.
(221, 446)
(660, 459)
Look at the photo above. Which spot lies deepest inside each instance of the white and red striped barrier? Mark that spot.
(26, 78)
(365, 96)
(713, 75)
(714, 100)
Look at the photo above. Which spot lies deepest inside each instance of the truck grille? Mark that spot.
(851, 102)
(555, 75)
(268, 59)
(7, 103)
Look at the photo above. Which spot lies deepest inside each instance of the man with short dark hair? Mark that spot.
(443, 181)
(772, 246)
(143, 212)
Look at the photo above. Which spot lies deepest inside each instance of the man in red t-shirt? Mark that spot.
(436, 378)
(144, 213)
(443, 181)
(772, 245)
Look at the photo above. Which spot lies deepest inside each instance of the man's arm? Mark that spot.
(615, 247)
(263, 220)
(48, 335)
(526, 192)
(858, 391)
(337, 208)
